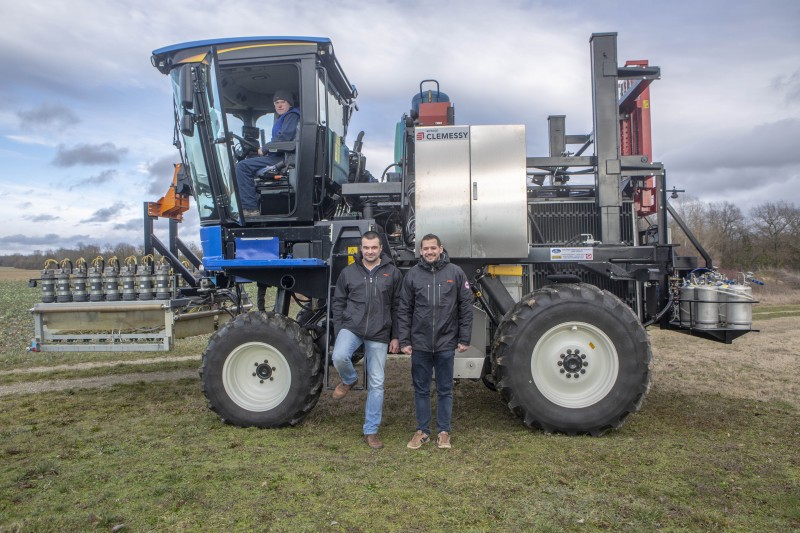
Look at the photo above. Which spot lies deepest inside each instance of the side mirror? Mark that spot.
(187, 125)
(186, 88)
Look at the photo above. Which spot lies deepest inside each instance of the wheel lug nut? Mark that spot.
(583, 371)
(577, 376)
(569, 352)
(254, 373)
(261, 381)
(585, 363)
(569, 375)
(265, 361)
(562, 370)
(272, 379)
(273, 368)
(562, 356)
(577, 352)
(255, 364)
(560, 363)
(583, 356)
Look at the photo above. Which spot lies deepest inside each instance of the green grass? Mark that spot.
(153, 457)
(774, 311)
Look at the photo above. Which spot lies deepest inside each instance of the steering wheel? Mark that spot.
(246, 146)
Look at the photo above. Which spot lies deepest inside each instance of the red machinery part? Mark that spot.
(636, 139)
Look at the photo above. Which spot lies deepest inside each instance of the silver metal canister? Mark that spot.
(688, 308)
(736, 306)
(707, 306)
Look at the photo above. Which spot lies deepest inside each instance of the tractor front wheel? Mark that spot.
(261, 369)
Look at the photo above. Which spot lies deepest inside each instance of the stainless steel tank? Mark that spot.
(736, 306)
(707, 306)
(688, 308)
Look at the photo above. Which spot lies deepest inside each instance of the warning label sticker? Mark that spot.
(571, 254)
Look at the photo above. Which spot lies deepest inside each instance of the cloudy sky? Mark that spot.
(86, 121)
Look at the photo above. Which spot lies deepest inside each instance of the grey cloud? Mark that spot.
(88, 154)
(44, 218)
(51, 239)
(132, 224)
(105, 214)
(47, 116)
(160, 172)
(789, 86)
(766, 147)
(103, 177)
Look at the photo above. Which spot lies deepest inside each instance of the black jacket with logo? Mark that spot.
(365, 302)
(435, 312)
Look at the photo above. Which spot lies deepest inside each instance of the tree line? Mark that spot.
(36, 260)
(768, 236)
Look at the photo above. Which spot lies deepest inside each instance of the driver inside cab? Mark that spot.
(284, 129)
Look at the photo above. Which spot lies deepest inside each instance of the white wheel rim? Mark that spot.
(256, 376)
(585, 354)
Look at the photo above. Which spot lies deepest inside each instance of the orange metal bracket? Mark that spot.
(171, 205)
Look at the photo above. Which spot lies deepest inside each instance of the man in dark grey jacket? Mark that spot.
(364, 312)
(435, 320)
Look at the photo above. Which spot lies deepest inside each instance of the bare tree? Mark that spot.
(727, 234)
(775, 229)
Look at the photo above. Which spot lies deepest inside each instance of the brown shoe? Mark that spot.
(419, 438)
(443, 442)
(341, 390)
(373, 441)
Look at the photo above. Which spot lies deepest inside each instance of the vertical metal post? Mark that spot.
(148, 231)
(173, 236)
(606, 134)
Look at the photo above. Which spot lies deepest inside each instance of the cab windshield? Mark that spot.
(234, 118)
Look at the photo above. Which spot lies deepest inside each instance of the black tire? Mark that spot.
(574, 330)
(261, 369)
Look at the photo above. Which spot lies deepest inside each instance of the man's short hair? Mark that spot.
(431, 237)
(369, 235)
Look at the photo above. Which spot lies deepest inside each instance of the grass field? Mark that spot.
(714, 448)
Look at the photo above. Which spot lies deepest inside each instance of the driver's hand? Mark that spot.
(260, 152)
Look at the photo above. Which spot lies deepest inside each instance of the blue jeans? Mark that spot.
(348, 342)
(245, 172)
(422, 366)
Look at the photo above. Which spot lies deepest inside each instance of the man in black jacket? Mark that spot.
(364, 312)
(435, 320)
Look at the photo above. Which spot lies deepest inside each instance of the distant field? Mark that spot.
(15, 274)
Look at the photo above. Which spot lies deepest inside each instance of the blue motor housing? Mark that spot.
(426, 97)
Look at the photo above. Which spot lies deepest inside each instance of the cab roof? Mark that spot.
(233, 40)
(165, 58)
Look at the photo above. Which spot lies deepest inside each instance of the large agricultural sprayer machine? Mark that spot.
(568, 254)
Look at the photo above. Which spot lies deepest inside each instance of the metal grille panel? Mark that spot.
(563, 222)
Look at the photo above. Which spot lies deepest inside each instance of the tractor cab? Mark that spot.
(223, 98)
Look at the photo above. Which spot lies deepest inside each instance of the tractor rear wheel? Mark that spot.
(572, 359)
(261, 369)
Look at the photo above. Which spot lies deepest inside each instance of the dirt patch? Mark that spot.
(99, 364)
(94, 382)
(757, 366)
